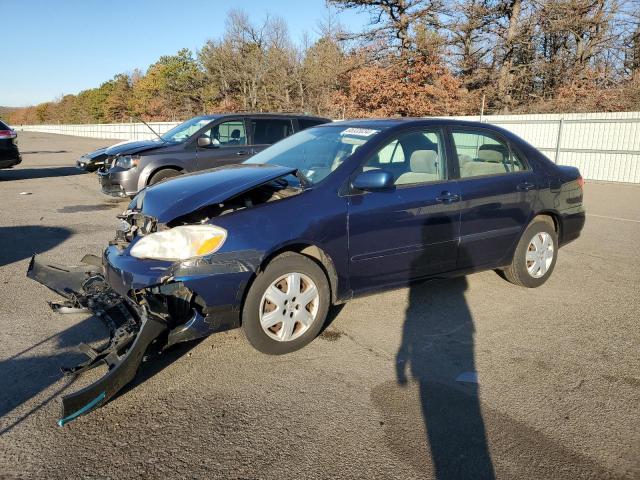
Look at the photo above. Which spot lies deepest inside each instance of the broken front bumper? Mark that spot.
(145, 304)
(133, 328)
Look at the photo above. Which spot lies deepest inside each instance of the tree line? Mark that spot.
(414, 58)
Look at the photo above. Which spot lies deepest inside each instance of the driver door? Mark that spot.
(409, 231)
(228, 145)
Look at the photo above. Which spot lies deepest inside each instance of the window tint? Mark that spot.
(307, 123)
(481, 154)
(413, 158)
(268, 131)
(229, 133)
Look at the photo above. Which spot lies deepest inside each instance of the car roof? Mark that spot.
(387, 123)
(407, 121)
(263, 114)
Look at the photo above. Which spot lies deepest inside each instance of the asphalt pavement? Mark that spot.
(375, 396)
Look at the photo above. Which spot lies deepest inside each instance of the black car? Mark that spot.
(9, 154)
(200, 143)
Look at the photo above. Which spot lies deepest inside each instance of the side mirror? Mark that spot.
(204, 141)
(373, 180)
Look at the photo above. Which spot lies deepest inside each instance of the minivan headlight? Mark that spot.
(180, 243)
(127, 161)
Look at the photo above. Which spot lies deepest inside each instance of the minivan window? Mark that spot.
(270, 130)
(229, 133)
(183, 131)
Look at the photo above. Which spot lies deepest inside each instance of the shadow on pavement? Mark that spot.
(437, 346)
(34, 152)
(43, 172)
(18, 243)
(24, 375)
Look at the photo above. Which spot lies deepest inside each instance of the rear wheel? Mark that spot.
(163, 175)
(286, 305)
(535, 256)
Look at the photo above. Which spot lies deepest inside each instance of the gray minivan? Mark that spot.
(200, 143)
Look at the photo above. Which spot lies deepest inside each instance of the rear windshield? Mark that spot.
(3, 126)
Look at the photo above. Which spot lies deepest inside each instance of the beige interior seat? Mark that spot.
(424, 165)
(490, 161)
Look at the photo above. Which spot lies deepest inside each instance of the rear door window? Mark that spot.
(480, 153)
(267, 131)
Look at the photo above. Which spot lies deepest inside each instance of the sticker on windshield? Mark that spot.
(360, 132)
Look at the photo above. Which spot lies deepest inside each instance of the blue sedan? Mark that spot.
(330, 213)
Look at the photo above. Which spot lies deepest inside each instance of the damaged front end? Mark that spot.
(152, 301)
(158, 317)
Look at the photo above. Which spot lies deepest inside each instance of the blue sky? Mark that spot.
(56, 47)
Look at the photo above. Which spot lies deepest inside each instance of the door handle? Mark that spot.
(447, 197)
(526, 186)
(242, 152)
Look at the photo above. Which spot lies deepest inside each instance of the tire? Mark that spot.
(163, 175)
(523, 271)
(264, 304)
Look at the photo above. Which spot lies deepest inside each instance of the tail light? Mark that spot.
(580, 181)
(5, 134)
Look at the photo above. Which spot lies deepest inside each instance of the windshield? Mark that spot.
(316, 152)
(185, 130)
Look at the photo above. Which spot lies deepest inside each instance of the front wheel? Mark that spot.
(535, 256)
(286, 305)
(163, 175)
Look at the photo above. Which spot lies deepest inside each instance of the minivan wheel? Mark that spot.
(286, 305)
(163, 175)
(535, 256)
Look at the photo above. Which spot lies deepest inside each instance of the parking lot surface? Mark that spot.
(375, 396)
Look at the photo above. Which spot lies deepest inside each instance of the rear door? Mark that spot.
(267, 131)
(498, 189)
(229, 144)
(412, 230)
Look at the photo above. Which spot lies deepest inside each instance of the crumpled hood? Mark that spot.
(188, 193)
(131, 147)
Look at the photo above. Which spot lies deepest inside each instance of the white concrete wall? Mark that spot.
(604, 146)
(117, 131)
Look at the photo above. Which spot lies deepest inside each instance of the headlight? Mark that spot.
(180, 243)
(127, 161)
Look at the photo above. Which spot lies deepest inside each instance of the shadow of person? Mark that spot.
(437, 346)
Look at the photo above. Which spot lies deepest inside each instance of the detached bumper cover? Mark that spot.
(133, 328)
(144, 303)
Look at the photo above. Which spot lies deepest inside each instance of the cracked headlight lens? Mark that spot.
(180, 243)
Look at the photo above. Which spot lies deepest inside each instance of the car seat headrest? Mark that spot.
(424, 161)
